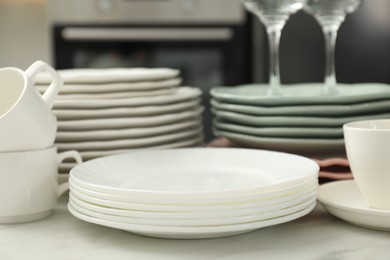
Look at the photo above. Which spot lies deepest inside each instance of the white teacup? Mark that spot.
(368, 150)
(29, 186)
(26, 119)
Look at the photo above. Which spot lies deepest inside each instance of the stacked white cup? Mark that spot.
(28, 158)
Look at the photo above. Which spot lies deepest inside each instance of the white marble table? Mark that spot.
(315, 236)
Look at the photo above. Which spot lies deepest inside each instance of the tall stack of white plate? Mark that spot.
(109, 111)
(193, 192)
(301, 120)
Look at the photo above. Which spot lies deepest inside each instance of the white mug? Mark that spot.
(368, 150)
(26, 119)
(29, 186)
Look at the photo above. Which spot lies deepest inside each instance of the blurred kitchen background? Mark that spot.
(212, 42)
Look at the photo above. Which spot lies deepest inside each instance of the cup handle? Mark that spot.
(63, 187)
(55, 86)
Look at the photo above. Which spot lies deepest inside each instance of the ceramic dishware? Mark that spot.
(26, 119)
(368, 151)
(344, 200)
(28, 183)
(195, 173)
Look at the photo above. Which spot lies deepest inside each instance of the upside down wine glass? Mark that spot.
(330, 14)
(274, 15)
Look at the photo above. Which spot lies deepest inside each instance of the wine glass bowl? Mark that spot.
(274, 15)
(273, 12)
(330, 14)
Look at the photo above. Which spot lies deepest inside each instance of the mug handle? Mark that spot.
(55, 86)
(63, 187)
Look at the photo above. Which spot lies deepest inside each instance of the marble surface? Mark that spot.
(315, 236)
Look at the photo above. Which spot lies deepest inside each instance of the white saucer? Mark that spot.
(344, 200)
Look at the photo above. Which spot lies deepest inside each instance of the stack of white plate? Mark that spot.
(301, 120)
(193, 192)
(109, 111)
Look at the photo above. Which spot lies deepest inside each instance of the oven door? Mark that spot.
(207, 56)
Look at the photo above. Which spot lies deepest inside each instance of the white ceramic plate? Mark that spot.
(182, 94)
(129, 122)
(195, 141)
(307, 110)
(109, 75)
(193, 204)
(131, 142)
(301, 94)
(127, 133)
(95, 88)
(304, 146)
(191, 232)
(195, 172)
(197, 222)
(120, 95)
(344, 200)
(292, 132)
(76, 114)
(287, 121)
(252, 208)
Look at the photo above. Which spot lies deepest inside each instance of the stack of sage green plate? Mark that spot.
(301, 120)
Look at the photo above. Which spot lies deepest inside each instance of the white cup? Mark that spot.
(29, 186)
(26, 119)
(368, 150)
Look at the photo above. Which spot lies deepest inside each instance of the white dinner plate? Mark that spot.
(130, 142)
(344, 200)
(287, 121)
(129, 122)
(76, 114)
(307, 110)
(182, 94)
(94, 88)
(195, 141)
(252, 208)
(301, 94)
(292, 132)
(192, 204)
(195, 172)
(109, 75)
(311, 147)
(116, 95)
(192, 232)
(127, 133)
(197, 222)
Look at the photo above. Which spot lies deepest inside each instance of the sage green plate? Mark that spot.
(307, 110)
(301, 94)
(289, 121)
(304, 132)
(312, 147)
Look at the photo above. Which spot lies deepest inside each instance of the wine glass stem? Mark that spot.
(330, 35)
(274, 74)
